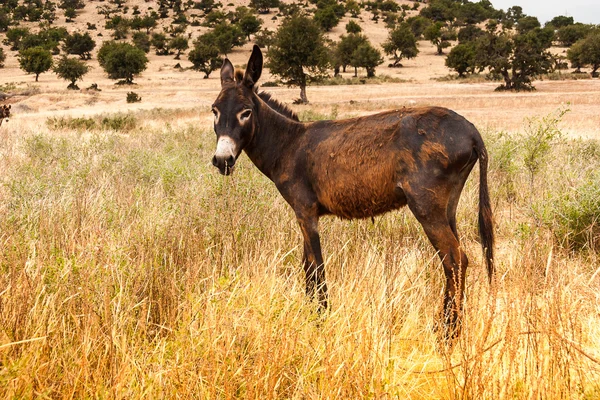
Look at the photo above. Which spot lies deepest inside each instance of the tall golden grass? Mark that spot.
(131, 269)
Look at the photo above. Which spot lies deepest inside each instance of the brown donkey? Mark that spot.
(358, 168)
(4, 113)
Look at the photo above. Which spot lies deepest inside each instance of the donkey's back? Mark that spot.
(366, 166)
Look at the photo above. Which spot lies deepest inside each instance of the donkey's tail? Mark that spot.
(486, 222)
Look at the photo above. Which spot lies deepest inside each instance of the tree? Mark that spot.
(462, 58)
(249, 24)
(71, 69)
(180, 44)
(353, 8)
(119, 25)
(148, 22)
(346, 47)
(366, 56)
(122, 60)
(472, 13)
(74, 4)
(35, 60)
(353, 27)
(70, 14)
(263, 6)
(517, 58)
(159, 41)
(401, 43)
(326, 18)
(142, 41)
(79, 44)
(586, 52)
(469, 33)
(5, 20)
(264, 39)
(205, 57)
(299, 54)
(2, 57)
(226, 36)
(559, 21)
(527, 23)
(567, 35)
(418, 24)
(574, 55)
(439, 34)
(439, 11)
(14, 36)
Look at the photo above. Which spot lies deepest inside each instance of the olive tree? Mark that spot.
(298, 54)
(72, 70)
(122, 60)
(35, 60)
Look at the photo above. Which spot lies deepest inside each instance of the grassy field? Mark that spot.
(131, 269)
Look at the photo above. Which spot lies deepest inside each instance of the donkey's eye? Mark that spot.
(245, 114)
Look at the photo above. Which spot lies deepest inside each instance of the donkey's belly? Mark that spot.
(360, 196)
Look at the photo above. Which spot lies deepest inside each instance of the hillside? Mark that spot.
(163, 85)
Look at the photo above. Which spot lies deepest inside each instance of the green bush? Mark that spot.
(574, 216)
(122, 60)
(133, 97)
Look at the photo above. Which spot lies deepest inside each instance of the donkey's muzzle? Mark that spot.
(224, 164)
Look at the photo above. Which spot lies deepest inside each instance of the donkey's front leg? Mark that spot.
(312, 259)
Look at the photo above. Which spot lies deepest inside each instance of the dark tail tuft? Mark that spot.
(486, 221)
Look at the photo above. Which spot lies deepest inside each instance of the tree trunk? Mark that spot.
(507, 81)
(302, 85)
(36, 77)
(355, 72)
(303, 97)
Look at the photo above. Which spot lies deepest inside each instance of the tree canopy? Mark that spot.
(205, 57)
(80, 44)
(71, 69)
(517, 58)
(122, 60)
(586, 52)
(35, 60)
(298, 54)
(401, 43)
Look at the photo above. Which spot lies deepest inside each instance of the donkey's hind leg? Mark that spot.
(432, 213)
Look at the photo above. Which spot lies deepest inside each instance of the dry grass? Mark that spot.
(131, 269)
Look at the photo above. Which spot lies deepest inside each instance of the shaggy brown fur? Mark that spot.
(361, 167)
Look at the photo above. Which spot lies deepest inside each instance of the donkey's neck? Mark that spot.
(274, 138)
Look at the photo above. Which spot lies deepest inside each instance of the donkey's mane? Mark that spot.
(278, 106)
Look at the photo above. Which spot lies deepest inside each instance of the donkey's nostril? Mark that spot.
(214, 161)
(230, 161)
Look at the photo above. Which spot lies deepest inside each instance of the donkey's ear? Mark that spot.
(226, 71)
(254, 68)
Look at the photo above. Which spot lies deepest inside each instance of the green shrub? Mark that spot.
(133, 97)
(574, 216)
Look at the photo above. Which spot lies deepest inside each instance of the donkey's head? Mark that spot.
(4, 113)
(234, 109)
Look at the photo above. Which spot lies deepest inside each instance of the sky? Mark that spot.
(586, 11)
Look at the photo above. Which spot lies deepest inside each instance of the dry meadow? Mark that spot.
(129, 268)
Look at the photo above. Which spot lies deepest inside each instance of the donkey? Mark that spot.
(4, 113)
(359, 168)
